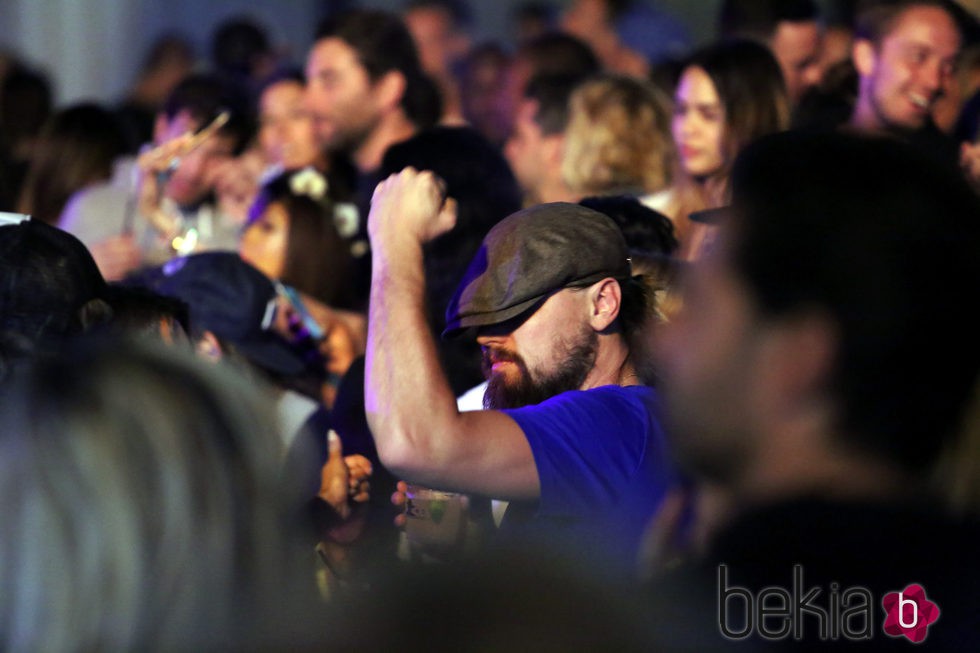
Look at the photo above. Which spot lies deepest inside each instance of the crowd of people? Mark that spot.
(595, 340)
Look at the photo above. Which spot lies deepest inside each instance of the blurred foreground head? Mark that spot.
(832, 295)
(140, 502)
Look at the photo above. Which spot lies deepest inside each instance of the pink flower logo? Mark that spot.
(909, 613)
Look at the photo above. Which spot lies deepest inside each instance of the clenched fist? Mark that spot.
(410, 206)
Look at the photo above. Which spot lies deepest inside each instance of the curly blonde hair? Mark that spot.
(618, 137)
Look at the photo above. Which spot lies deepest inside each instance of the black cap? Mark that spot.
(46, 277)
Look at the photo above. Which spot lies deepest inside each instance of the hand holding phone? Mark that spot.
(292, 296)
(166, 157)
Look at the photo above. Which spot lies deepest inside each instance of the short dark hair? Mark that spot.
(820, 224)
(616, 8)
(168, 48)
(759, 19)
(26, 101)
(647, 232)
(840, 13)
(204, 96)
(533, 10)
(557, 53)
(552, 92)
(634, 308)
(286, 74)
(457, 10)
(237, 43)
(874, 19)
(383, 44)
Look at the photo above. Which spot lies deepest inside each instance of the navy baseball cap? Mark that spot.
(233, 300)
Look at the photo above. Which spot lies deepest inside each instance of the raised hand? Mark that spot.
(410, 205)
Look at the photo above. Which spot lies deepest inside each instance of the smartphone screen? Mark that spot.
(292, 296)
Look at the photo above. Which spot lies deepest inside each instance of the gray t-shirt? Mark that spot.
(108, 209)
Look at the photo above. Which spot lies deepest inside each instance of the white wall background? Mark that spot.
(93, 48)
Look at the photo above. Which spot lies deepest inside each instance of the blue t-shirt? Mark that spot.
(602, 461)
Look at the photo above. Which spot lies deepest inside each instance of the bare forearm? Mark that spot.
(410, 407)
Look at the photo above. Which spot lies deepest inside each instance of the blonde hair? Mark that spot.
(618, 137)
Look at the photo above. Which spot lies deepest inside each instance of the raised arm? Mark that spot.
(411, 410)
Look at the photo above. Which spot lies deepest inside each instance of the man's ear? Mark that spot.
(390, 89)
(864, 56)
(209, 348)
(606, 297)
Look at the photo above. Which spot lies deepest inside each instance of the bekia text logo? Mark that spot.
(909, 613)
(827, 614)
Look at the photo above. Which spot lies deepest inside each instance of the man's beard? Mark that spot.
(349, 139)
(576, 360)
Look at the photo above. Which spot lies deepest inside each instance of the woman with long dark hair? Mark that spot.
(728, 95)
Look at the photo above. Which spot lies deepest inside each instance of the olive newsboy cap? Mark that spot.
(532, 253)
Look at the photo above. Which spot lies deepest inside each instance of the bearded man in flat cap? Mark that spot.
(569, 436)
